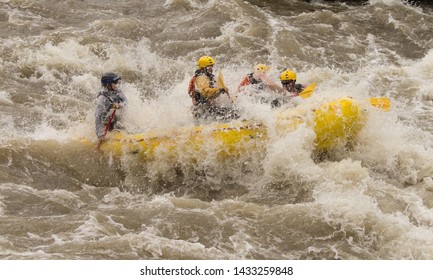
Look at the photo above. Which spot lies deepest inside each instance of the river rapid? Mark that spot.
(60, 199)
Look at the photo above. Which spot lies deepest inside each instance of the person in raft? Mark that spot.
(259, 79)
(261, 87)
(203, 90)
(108, 105)
(288, 81)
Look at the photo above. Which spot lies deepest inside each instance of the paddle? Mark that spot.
(220, 82)
(308, 91)
(106, 128)
(383, 103)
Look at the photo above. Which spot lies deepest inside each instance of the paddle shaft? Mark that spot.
(107, 127)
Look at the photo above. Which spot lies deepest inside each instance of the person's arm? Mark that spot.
(203, 86)
(121, 101)
(123, 98)
(272, 85)
(276, 88)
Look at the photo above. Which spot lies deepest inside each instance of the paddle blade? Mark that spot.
(220, 80)
(308, 91)
(383, 103)
(220, 83)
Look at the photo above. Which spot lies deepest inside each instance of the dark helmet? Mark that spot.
(109, 78)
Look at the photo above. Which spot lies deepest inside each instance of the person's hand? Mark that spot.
(116, 106)
(224, 90)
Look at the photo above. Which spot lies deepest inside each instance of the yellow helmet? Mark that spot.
(261, 68)
(288, 75)
(205, 61)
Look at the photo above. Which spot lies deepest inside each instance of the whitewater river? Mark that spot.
(61, 199)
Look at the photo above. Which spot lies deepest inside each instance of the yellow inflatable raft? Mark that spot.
(226, 138)
(334, 124)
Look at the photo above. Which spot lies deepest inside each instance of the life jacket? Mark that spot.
(195, 95)
(191, 89)
(250, 80)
